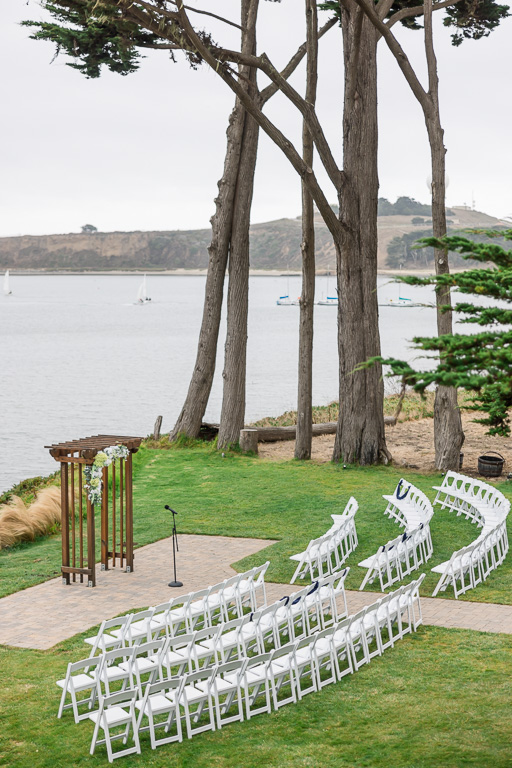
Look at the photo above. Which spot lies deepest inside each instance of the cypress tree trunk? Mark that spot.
(192, 413)
(307, 298)
(360, 435)
(448, 434)
(233, 401)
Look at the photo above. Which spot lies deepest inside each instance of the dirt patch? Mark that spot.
(411, 444)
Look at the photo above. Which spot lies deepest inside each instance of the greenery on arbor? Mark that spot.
(480, 362)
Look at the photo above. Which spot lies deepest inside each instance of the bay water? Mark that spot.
(79, 356)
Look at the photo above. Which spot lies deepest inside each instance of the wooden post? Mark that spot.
(157, 428)
(64, 506)
(104, 520)
(91, 555)
(80, 495)
(249, 440)
(121, 513)
(129, 515)
(113, 514)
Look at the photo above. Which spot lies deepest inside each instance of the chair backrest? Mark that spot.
(169, 684)
(237, 666)
(121, 697)
(206, 674)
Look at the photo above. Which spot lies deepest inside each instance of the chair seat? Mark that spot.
(80, 682)
(175, 657)
(256, 674)
(159, 703)
(192, 693)
(114, 716)
(116, 672)
(107, 640)
(142, 664)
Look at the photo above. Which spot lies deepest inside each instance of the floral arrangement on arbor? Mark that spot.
(94, 472)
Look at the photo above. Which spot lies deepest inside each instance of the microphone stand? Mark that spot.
(175, 548)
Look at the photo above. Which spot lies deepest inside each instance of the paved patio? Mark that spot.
(44, 615)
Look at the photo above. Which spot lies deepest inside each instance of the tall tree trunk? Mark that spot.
(448, 433)
(233, 401)
(307, 298)
(360, 435)
(192, 413)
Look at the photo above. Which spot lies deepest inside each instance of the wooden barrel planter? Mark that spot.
(491, 466)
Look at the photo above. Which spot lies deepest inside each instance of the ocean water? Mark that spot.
(79, 357)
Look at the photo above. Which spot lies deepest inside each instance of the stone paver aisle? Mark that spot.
(41, 616)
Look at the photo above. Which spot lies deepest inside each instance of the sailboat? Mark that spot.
(142, 295)
(7, 289)
(403, 302)
(328, 301)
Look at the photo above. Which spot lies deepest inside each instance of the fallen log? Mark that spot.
(274, 434)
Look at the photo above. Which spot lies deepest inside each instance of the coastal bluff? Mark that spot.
(275, 245)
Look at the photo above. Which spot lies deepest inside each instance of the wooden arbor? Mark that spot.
(77, 511)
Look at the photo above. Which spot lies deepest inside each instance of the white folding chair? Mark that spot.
(80, 676)
(116, 711)
(196, 699)
(205, 647)
(303, 663)
(162, 698)
(111, 634)
(177, 656)
(256, 684)
(227, 692)
(282, 675)
(139, 629)
(110, 670)
(147, 659)
(197, 610)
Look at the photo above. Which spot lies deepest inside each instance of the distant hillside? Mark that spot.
(274, 245)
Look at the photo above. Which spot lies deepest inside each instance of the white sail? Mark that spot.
(142, 294)
(7, 289)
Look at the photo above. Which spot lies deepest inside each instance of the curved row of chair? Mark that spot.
(185, 613)
(411, 509)
(488, 508)
(312, 608)
(210, 697)
(326, 554)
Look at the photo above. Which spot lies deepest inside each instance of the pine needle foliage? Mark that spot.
(477, 362)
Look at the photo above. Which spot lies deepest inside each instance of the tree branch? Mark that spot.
(417, 10)
(208, 13)
(399, 54)
(263, 63)
(294, 62)
(270, 129)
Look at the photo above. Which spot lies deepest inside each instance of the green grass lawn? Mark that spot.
(439, 699)
(287, 501)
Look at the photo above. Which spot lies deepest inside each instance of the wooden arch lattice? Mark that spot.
(77, 511)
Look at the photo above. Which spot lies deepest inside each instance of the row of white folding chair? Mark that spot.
(314, 607)
(473, 498)
(408, 507)
(398, 557)
(184, 613)
(471, 565)
(211, 698)
(325, 555)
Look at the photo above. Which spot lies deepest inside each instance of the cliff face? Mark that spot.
(274, 245)
(107, 251)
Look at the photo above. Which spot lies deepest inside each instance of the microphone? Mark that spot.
(170, 510)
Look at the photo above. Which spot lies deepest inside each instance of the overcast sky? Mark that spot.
(145, 151)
